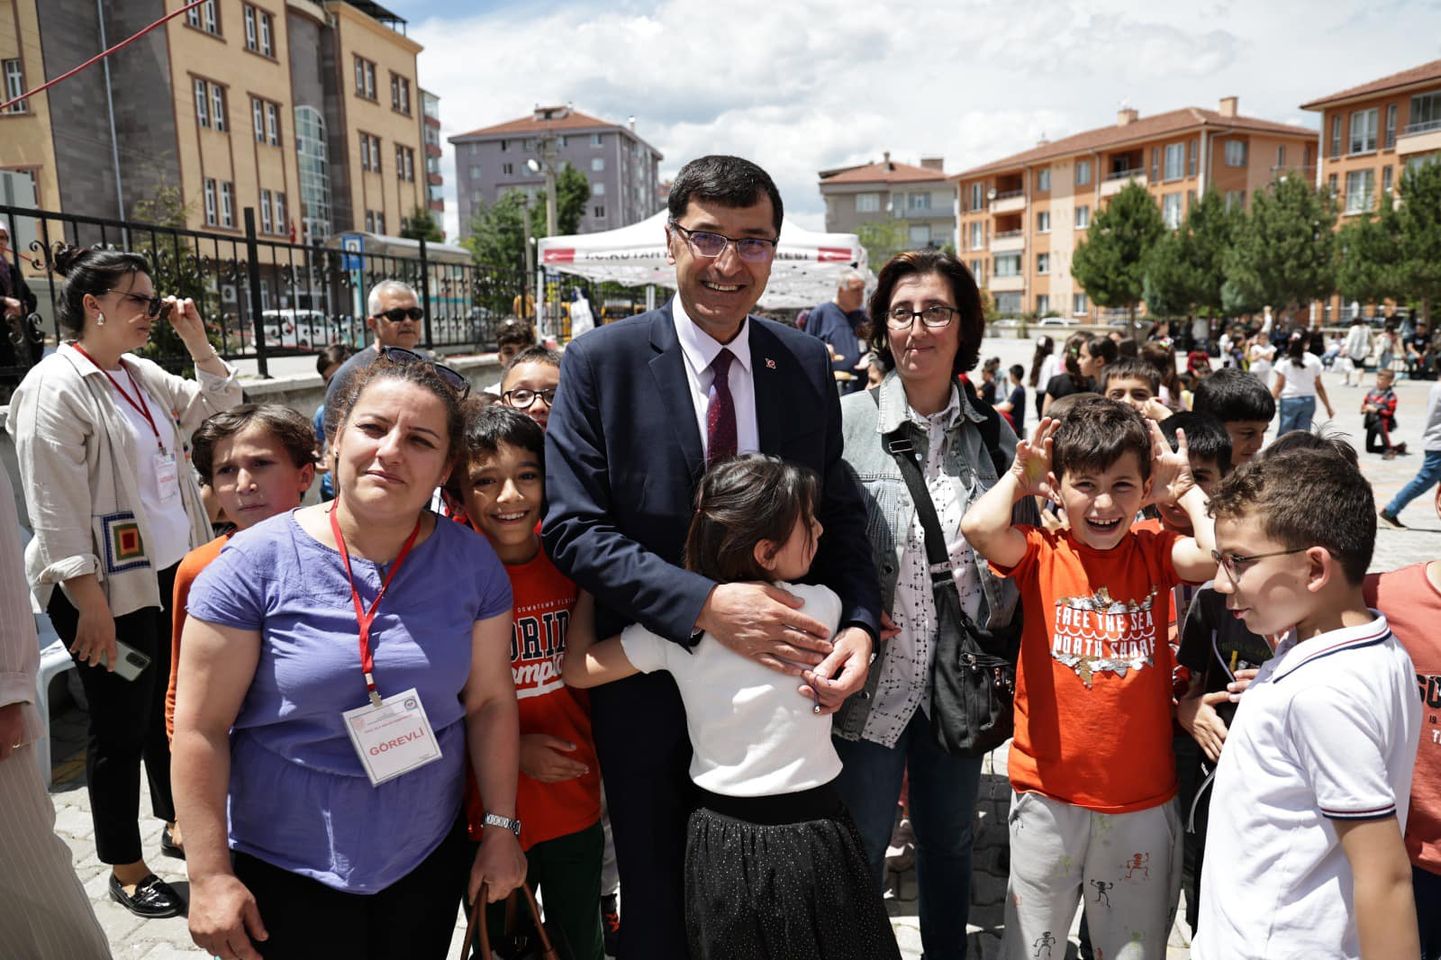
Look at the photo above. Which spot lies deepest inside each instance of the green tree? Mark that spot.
(497, 233)
(1283, 251)
(1212, 229)
(1111, 262)
(1170, 284)
(421, 225)
(174, 270)
(1418, 234)
(882, 239)
(1367, 255)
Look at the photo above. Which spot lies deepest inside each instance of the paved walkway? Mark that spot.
(134, 939)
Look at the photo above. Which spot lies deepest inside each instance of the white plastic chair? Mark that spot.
(54, 660)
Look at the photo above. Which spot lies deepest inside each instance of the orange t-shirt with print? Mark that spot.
(195, 561)
(1093, 684)
(543, 600)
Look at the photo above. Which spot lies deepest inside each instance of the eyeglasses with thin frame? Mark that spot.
(400, 314)
(1233, 563)
(712, 245)
(154, 306)
(452, 378)
(935, 316)
(523, 399)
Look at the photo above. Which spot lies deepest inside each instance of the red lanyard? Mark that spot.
(363, 616)
(138, 401)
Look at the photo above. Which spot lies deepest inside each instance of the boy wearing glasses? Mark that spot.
(1309, 797)
(1092, 818)
(529, 383)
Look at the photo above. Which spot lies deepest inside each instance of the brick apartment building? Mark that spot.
(920, 198)
(1020, 218)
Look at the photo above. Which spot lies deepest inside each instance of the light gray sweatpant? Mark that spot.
(1125, 866)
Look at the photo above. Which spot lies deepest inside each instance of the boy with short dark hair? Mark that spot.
(1013, 408)
(1378, 412)
(1091, 764)
(1137, 384)
(1308, 804)
(529, 381)
(1242, 403)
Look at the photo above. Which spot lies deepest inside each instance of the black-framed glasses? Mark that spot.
(154, 306)
(1235, 563)
(935, 316)
(523, 399)
(401, 314)
(453, 378)
(711, 245)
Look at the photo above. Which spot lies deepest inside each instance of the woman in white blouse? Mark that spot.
(1297, 385)
(103, 441)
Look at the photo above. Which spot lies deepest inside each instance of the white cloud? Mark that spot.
(801, 85)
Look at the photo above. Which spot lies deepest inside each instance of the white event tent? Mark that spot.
(805, 272)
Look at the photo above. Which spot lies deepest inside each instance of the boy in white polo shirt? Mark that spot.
(1304, 856)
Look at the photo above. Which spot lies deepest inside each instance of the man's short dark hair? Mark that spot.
(1206, 438)
(1096, 433)
(1231, 395)
(728, 181)
(535, 354)
(515, 333)
(1317, 438)
(1306, 498)
(486, 428)
(295, 433)
(1129, 369)
(970, 318)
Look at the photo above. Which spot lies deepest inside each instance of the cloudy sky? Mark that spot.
(801, 85)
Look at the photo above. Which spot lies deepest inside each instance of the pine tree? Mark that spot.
(1418, 230)
(1111, 262)
(1283, 251)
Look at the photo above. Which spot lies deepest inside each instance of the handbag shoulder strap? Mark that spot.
(989, 428)
(899, 445)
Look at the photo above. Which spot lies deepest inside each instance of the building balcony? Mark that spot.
(1113, 184)
(1015, 284)
(1013, 241)
(1012, 201)
(1419, 138)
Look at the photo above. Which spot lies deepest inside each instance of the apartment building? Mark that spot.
(1021, 217)
(430, 137)
(622, 167)
(306, 111)
(920, 198)
(1369, 135)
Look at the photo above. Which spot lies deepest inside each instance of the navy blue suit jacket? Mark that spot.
(624, 454)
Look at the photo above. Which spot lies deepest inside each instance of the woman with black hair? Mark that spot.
(103, 441)
(1085, 357)
(1043, 368)
(1296, 386)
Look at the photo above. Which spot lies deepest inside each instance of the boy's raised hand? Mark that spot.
(1032, 466)
(1170, 469)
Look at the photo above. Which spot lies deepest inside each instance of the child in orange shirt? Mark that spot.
(557, 798)
(1091, 764)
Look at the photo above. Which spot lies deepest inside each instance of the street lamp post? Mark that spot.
(546, 166)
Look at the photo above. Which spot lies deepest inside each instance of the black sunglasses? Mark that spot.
(453, 378)
(397, 314)
(154, 306)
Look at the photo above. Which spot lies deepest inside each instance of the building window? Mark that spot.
(978, 270)
(227, 203)
(1043, 221)
(919, 234)
(1171, 210)
(476, 171)
(1083, 172)
(369, 153)
(1155, 164)
(1386, 180)
(272, 124)
(918, 201)
(595, 139)
(597, 164)
(1360, 190)
(1191, 151)
(210, 204)
(405, 163)
(978, 235)
(1425, 112)
(369, 221)
(1331, 184)
(1043, 303)
(1235, 199)
(598, 212)
(597, 189)
(1390, 126)
(266, 225)
(202, 104)
(1281, 157)
(258, 31)
(364, 78)
(1083, 218)
(314, 160)
(1043, 263)
(217, 106)
(1363, 131)
(1006, 265)
(1078, 304)
(1043, 179)
(14, 85)
(204, 17)
(1335, 135)
(1235, 153)
(1175, 153)
(868, 202)
(380, 221)
(282, 217)
(507, 169)
(400, 94)
(978, 197)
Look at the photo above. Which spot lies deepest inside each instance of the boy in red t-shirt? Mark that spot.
(1092, 819)
(502, 483)
(1411, 600)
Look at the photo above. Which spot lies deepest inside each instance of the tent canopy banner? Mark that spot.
(805, 271)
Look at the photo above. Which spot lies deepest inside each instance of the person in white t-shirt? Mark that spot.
(1297, 385)
(1304, 855)
(773, 866)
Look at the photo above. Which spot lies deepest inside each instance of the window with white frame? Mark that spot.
(918, 201)
(1083, 172)
(272, 123)
(257, 118)
(598, 212)
(15, 85)
(507, 169)
(596, 140)
(1006, 265)
(1360, 190)
(1425, 112)
(282, 214)
(1043, 263)
(1043, 304)
(868, 203)
(919, 234)
(1191, 150)
(978, 235)
(476, 171)
(202, 103)
(1078, 304)
(1280, 156)
(1083, 217)
(1336, 135)
(1235, 199)
(597, 189)
(400, 94)
(227, 203)
(1043, 178)
(978, 196)
(204, 17)
(1390, 126)
(978, 268)
(1175, 158)
(217, 106)
(210, 202)
(1043, 221)
(1171, 210)
(266, 224)
(1235, 153)
(1363, 131)
(1386, 180)
(364, 78)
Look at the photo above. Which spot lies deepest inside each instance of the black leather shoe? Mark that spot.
(169, 847)
(153, 898)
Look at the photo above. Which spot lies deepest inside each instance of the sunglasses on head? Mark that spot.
(398, 314)
(453, 378)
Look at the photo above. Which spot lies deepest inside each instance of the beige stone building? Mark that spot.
(920, 199)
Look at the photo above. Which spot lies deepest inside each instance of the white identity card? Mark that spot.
(392, 738)
(167, 478)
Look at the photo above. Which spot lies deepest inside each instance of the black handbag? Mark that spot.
(973, 681)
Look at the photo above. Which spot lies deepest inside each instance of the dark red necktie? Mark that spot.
(720, 414)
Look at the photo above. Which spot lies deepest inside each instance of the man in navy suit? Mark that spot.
(636, 413)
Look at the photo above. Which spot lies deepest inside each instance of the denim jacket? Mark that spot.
(890, 510)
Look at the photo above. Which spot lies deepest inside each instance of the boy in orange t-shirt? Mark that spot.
(1092, 819)
(502, 483)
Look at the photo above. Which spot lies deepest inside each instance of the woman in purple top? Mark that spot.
(316, 860)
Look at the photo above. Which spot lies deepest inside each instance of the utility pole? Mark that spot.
(547, 153)
(529, 250)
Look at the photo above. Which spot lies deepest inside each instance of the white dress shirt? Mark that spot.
(700, 350)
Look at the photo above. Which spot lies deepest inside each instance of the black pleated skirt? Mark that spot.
(781, 878)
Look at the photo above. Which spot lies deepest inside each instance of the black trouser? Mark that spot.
(127, 724)
(414, 917)
(1382, 429)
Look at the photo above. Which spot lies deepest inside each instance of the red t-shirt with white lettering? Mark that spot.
(1093, 685)
(544, 598)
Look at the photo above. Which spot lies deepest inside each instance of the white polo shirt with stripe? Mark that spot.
(1327, 731)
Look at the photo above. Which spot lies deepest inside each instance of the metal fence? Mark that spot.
(264, 297)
